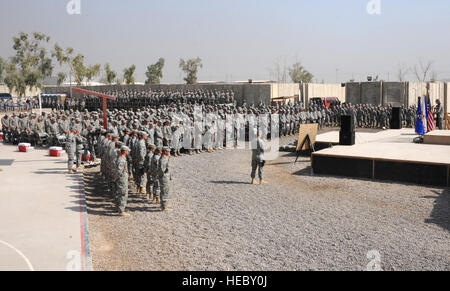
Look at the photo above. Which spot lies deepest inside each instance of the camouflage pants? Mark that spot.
(149, 185)
(71, 159)
(122, 194)
(164, 185)
(256, 164)
(156, 188)
(140, 177)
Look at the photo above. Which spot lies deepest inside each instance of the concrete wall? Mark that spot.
(322, 90)
(280, 90)
(447, 98)
(436, 91)
(371, 93)
(416, 89)
(28, 92)
(394, 93)
(353, 93)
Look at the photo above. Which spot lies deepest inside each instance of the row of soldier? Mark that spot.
(168, 124)
(21, 104)
(132, 99)
(131, 160)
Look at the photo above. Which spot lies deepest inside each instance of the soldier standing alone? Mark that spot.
(164, 179)
(121, 180)
(258, 159)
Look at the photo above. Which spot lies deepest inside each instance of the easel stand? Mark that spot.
(307, 141)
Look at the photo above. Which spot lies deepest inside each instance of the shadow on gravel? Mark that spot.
(99, 201)
(50, 172)
(308, 171)
(440, 215)
(230, 182)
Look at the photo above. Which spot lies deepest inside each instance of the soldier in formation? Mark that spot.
(173, 124)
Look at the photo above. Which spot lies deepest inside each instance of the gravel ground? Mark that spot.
(296, 222)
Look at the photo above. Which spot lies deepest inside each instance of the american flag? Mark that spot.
(430, 118)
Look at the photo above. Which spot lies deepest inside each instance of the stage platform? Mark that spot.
(441, 137)
(385, 155)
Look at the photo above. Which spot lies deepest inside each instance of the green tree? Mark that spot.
(14, 80)
(79, 70)
(92, 72)
(75, 63)
(190, 68)
(61, 78)
(2, 69)
(128, 75)
(110, 74)
(31, 63)
(154, 72)
(299, 74)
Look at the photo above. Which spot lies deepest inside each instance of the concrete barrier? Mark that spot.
(394, 93)
(311, 90)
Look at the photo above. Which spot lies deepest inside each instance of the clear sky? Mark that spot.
(242, 39)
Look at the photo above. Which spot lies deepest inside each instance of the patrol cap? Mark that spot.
(124, 148)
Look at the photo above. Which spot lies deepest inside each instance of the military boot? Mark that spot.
(166, 208)
(254, 182)
(262, 182)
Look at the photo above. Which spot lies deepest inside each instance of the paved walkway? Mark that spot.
(43, 224)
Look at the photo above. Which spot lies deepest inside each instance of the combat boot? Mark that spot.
(156, 200)
(150, 196)
(70, 171)
(262, 182)
(254, 182)
(191, 153)
(166, 208)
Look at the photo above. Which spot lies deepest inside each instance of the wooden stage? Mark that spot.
(385, 155)
(441, 137)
